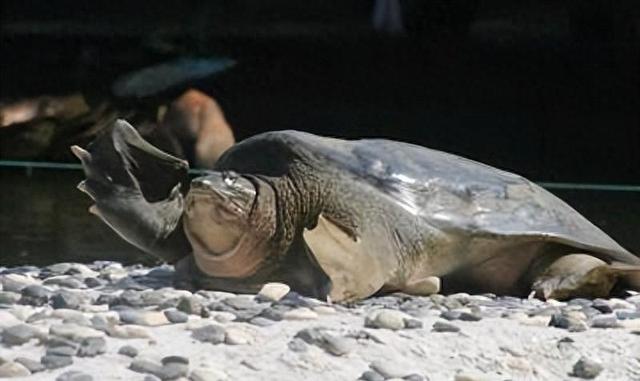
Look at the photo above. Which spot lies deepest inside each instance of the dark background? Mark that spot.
(547, 89)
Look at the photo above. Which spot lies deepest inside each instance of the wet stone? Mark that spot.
(33, 365)
(128, 350)
(55, 362)
(587, 369)
(175, 316)
(441, 326)
(213, 334)
(74, 375)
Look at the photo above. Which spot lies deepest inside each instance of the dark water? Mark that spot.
(44, 219)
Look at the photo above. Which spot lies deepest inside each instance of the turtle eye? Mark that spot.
(230, 178)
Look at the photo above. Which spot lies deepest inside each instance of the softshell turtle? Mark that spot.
(348, 219)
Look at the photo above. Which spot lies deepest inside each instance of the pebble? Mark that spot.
(336, 345)
(386, 318)
(605, 321)
(240, 302)
(370, 375)
(146, 366)
(237, 336)
(261, 322)
(11, 369)
(301, 313)
(8, 297)
(74, 332)
(190, 305)
(129, 332)
(586, 368)
(211, 333)
(273, 292)
(441, 326)
(173, 370)
(570, 323)
(128, 350)
(55, 361)
(143, 318)
(471, 376)
(92, 346)
(33, 365)
(74, 375)
(35, 295)
(388, 369)
(20, 334)
(66, 299)
(207, 374)
(7, 319)
(16, 282)
(175, 316)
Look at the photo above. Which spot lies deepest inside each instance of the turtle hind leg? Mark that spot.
(580, 276)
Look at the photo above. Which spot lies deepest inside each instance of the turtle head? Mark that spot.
(217, 210)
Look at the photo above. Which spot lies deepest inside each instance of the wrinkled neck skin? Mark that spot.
(155, 228)
(254, 245)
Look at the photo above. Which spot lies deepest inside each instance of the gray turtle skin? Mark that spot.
(348, 219)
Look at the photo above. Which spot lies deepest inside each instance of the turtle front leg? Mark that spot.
(580, 276)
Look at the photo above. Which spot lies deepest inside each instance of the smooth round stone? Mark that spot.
(472, 376)
(386, 318)
(570, 323)
(469, 316)
(92, 346)
(66, 299)
(32, 365)
(586, 368)
(74, 375)
(20, 334)
(129, 332)
(301, 313)
(602, 306)
(190, 305)
(55, 362)
(273, 292)
(92, 282)
(12, 369)
(389, 369)
(62, 350)
(441, 326)
(213, 334)
(35, 295)
(16, 282)
(627, 314)
(175, 316)
(144, 318)
(451, 315)
(7, 319)
(58, 268)
(128, 350)
(605, 321)
(175, 359)
(370, 375)
(173, 370)
(9, 297)
(411, 323)
(64, 281)
(237, 336)
(207, 374)
(146, 366)
(74, 332)
(413, 377)
(261, 322)
(241, 302)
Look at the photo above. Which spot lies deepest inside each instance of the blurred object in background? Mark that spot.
(64, 107)
(201, 132)
(387, 16)
(158, 78)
